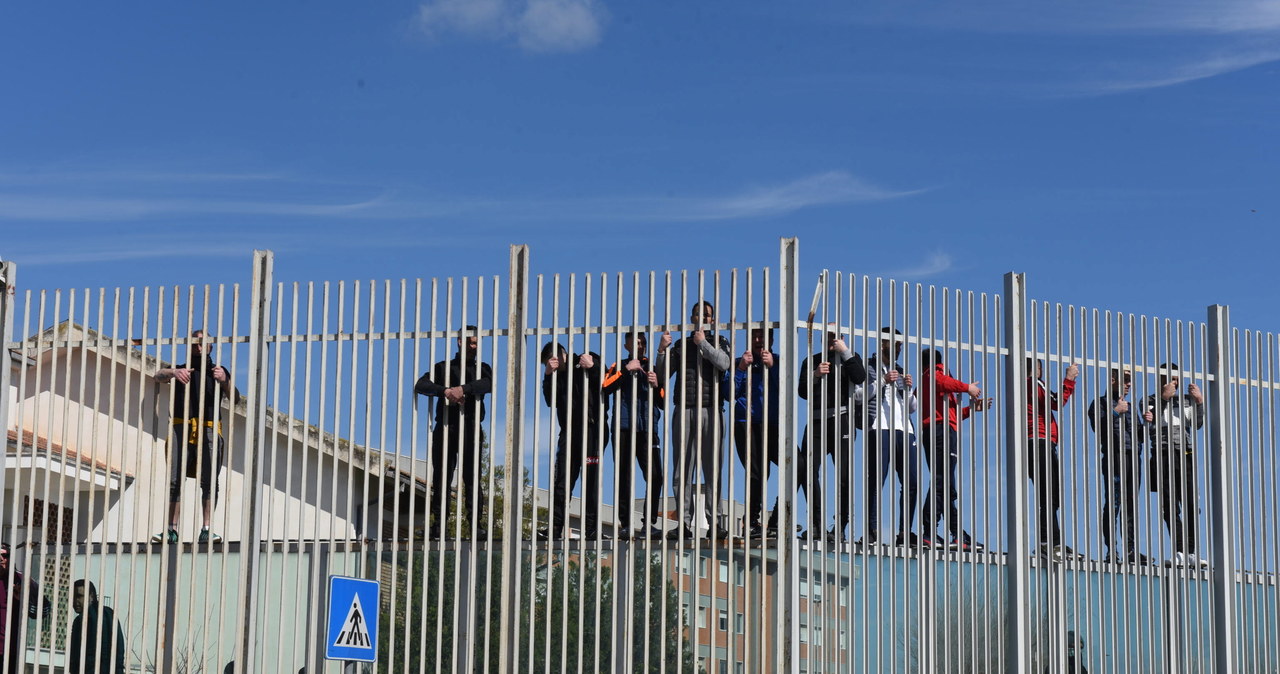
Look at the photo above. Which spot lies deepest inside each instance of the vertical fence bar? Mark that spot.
(255, 430)
(8, 280)
(788, 573)
(513, 446)
(1222, 490)
(1017, 609)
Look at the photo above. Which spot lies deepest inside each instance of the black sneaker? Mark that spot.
(906, 540)
(206, 536)
(171, 535)
(676, 533)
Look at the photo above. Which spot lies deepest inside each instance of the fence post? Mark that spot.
(787, 655)
(8, 277)
(513, 446)
(255, 430)
(1221, 490)
(1017, 633)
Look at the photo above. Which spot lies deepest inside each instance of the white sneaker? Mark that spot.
(1178, 559)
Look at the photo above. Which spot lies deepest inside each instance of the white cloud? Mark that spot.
(1211, 66)
(832, 187)
(937, 263)
(1082, 16)
(534, 25)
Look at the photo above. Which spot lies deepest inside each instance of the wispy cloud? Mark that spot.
(74, 199)
(937, 263)
(1180, 73)
(832, 187)
(1081, 16)
(533, 25)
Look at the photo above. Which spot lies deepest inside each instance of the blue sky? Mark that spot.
(1122, 153)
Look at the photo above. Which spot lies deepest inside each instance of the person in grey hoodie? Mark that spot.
(699, 363)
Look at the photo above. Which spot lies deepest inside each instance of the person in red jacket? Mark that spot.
(1043, 465)
(940, 431)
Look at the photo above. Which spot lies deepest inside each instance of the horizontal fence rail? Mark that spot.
(736, 470)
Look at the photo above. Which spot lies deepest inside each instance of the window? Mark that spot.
(724, 620)
(724, 572)
(739, 623)
(737, 668)
(844, 595)
(844, 640)
(804, 633)
(702, 616)
(804, 585)
(817, 635)
(684, 614)
(724, 667)
(741, 575)
(686, 564)
(702, 567)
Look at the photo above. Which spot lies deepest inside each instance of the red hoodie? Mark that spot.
(939, 397)
(1041, 404)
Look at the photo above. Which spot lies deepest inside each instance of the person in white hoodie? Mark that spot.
(889, 399)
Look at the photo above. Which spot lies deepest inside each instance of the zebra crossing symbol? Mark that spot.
(354, 633)
(352, 619)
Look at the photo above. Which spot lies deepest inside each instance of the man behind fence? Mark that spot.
(1173, 417)
(196, 445)
(756, 434)
(890, 400)
(940, 430)
(638, 420)
(16, 607)
(459, 386)
(1119, 452)
(835, 374)
(700, 363)
(1043, 463)
(572, 385)
(97, 643)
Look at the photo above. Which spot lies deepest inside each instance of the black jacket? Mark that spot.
(476, 380)
(1116, 432)
(575, 393)
(702, 374)
(103, 646)
(635, 407)
(203, 394)
(833, 390)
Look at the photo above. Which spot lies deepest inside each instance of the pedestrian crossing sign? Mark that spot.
(353, 619)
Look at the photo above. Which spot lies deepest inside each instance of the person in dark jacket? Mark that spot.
(756, 435)
(940, 431)
(1172, 418)
(700, 364)
(572, 385)
(1043, 464)
(196, 446)
(459, 386)
(1119, 451)
(16, 608)
(637, 418)
(827, 381)
(97, 643)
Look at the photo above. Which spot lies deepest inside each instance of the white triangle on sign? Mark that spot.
(355, 629)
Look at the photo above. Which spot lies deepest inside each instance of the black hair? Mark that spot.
(552, 350)
(92, 589)
(929, 358)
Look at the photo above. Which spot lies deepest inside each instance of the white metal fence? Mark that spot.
(810, 475)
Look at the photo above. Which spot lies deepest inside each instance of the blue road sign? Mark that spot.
(353, 619)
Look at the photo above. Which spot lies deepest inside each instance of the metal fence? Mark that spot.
(719, 471)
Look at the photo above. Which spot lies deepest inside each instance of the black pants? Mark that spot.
(1119, 500)
(896, 448)
(832, 436)
(199, 455)
(574, 456)
(941, 445)
(1045, 470)
(1174, 472)
(450, 445)
(639, 447)
(757, 447)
